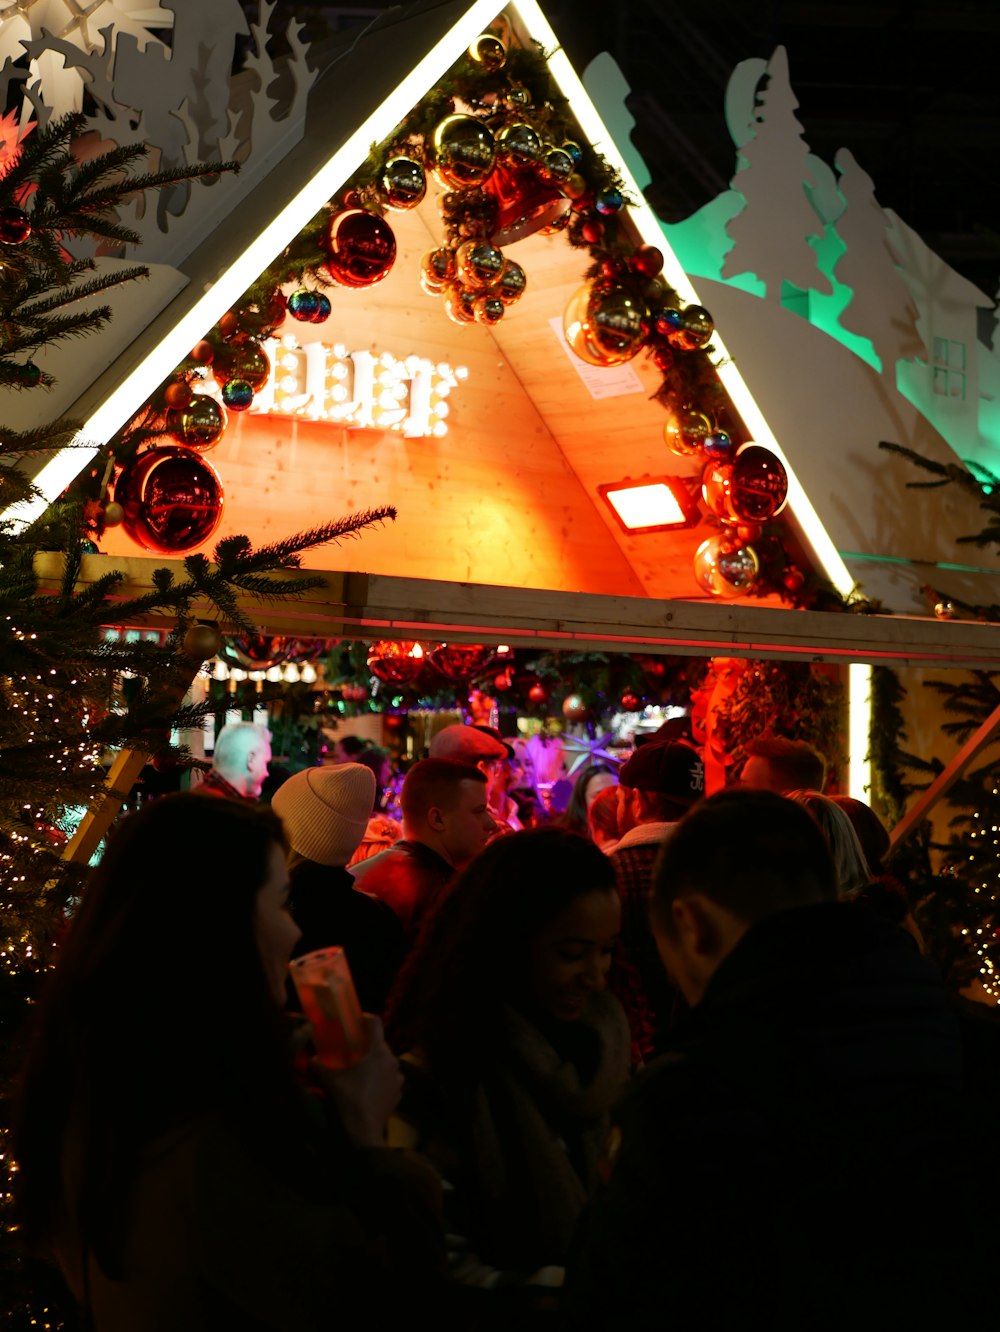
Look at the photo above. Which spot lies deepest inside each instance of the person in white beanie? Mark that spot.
(325, 812)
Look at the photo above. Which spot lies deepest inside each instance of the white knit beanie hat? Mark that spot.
(326, 810)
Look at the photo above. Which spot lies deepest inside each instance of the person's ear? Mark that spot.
(694, 925)
(435, 818)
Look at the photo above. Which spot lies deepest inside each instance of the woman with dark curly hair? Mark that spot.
(171, 1162)
(516, 1050)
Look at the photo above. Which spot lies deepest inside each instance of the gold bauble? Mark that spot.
(403, 183)
(518, 143)
(605, 325)
(512, 283)
(488, 309)
(489, 52)
(462, 151)
(686, 431)
(460, 304)
(478, 264)
(695, 330)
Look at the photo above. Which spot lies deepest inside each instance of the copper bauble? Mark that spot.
(258, 652)
(460, 304)
(685, 432)
(403, 183)
(478, 264)
(488, 309)
(242, 359)
(573, 707)
(693, 330)
(361, 248)
(462, 151)
(513, 281)
(199, 425)
(605, 325)
(113, 514)
(724, 569)
(172, 499)
(15, 224)
(438, 266)
(178, 393)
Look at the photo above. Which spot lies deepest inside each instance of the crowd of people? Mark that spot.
(671, 1059)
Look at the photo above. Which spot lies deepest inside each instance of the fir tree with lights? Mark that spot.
(71, 695)
(957, 907)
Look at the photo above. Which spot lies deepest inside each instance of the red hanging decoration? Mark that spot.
(461, 661)
(395, 663)
(361, 248)
(172, 499)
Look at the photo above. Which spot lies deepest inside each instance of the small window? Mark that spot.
(949, 368)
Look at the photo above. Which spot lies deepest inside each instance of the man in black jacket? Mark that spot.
(805, 1157)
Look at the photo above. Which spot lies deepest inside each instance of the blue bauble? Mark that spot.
(237, 395)
(668, 321)
(609, 201)
(718, 446)
(303, 304)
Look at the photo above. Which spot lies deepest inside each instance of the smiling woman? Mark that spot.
(516, 1052)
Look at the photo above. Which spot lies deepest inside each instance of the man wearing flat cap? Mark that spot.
(658, 784)
(485, 748)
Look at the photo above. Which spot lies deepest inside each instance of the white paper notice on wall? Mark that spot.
(601, 381)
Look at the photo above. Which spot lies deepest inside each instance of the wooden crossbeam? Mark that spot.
(946, 779)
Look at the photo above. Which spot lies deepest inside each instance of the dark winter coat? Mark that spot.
(330, 910)
(804, 1158)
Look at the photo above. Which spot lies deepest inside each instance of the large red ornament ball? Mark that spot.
(15, 225)
(573, 707)
(172, 499)
(538, 694)
(361, 248)
(759, 486)
(461, 661)
(199, 425)
(395, 663)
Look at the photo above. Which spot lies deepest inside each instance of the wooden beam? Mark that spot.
(946, 779)
(122, 776)
(366, 606)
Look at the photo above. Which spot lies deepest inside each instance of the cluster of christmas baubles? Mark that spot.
(503, 179)
(626, 308)
(744, 487)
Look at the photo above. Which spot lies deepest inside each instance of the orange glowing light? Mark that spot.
(651, 504)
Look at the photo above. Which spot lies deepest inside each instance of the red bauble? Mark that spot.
(461, 661)
(229, 324)
(172, 499)
(750, 489)
(538, 694)
(258, 652)
(631, 703)
(15, 225)
(592, 230)
(648, 261)
(361, 248)
(395, 663)
(502, 682)
(574, 709)
(793, 579)
(178, 394)
(203, 352)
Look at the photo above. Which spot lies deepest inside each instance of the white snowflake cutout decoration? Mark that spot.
(83, 24)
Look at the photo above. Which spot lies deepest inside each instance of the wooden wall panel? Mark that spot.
(509, 495)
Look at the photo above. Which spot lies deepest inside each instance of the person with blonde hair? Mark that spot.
(852, 869)
(381, 833)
